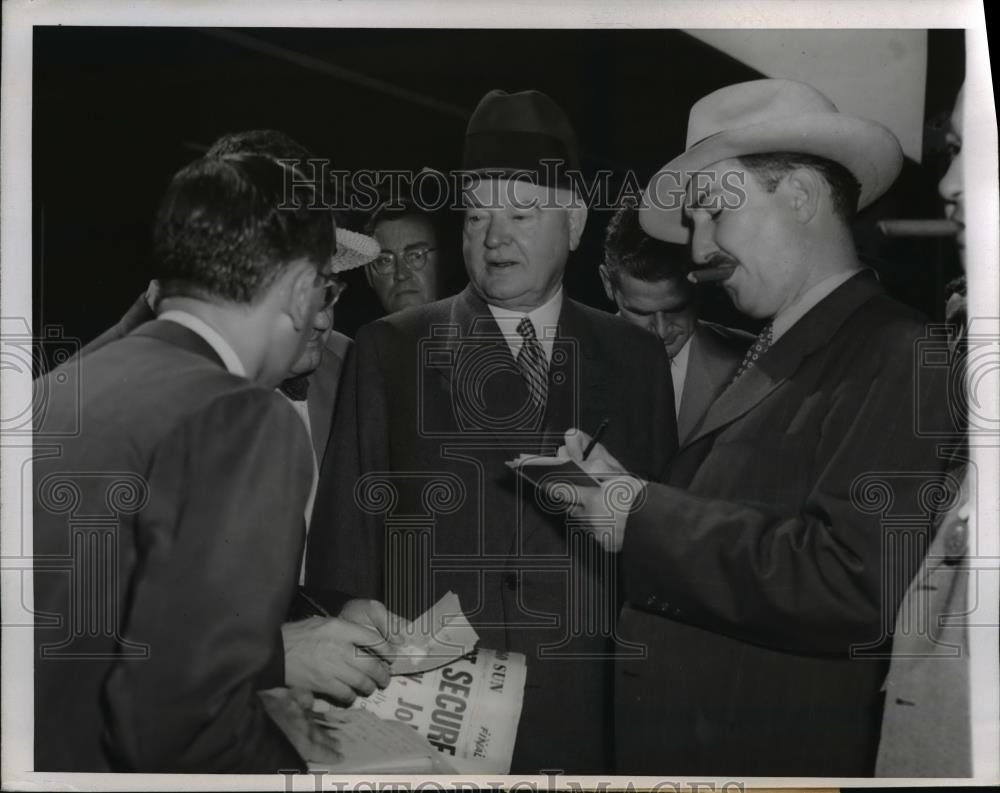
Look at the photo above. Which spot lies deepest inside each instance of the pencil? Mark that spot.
(596, 438)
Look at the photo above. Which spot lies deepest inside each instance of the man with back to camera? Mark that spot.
(313, 380)
(438, 399)
(319, 653)
(760, 576)
(647, 279)
(204, 470)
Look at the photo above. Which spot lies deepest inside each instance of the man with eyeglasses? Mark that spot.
(164, 619)
(318, 652)
(409, 271)
(645, 278)
(314, 378)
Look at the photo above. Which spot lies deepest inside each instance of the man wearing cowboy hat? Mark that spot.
(763, 578)
(438, 398)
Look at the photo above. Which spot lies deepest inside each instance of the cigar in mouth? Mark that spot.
(705, 274)
(919, 228)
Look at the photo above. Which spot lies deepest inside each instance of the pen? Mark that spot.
(320, 611)
(596, 438)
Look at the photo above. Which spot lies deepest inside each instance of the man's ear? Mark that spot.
(805, 191)
(300, 302)
(606, 280)
(577, 221)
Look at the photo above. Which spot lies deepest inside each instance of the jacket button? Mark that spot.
(510, 581)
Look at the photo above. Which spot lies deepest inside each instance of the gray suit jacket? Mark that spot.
(167, 533)
(324, 382)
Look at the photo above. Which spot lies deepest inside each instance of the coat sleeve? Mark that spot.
(345, 541)
(219, 547)
(819, 579)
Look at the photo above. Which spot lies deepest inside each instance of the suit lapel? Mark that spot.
(479, 376)
(711, 366)
(320, 405)
(813, 331)
(577, 381)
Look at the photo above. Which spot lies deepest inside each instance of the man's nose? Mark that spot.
(950, 186)
(498, 232)
(323, 320)
(660, 324)
(702, 242)
(402, 271)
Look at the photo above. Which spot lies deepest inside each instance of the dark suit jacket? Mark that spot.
(418, 500)
(167, 530)
(324, 381)
(715, 355)
(782, 547)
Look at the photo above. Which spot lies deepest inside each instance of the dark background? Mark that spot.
(117, 111)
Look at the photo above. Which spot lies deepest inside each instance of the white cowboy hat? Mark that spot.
(353, 250)
(760, 117)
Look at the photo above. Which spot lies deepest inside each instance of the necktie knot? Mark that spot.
(295, 388)
(526, 330)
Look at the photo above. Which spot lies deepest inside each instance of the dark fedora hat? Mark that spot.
(511, 134)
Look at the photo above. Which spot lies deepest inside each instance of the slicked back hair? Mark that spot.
(771, 168)
(221, 233)
(629, 250)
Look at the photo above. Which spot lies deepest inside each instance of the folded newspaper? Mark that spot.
(467, 705)
(368, 744)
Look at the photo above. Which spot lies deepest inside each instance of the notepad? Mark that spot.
(551, 470)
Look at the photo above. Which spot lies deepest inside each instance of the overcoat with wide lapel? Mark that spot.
(763, 581)
(419, 501)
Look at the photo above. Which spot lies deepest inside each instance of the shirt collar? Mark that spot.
(545, 320)
(785, 319)
(211, 336)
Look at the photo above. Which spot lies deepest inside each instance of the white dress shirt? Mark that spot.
(785, 319)
(678, 372)
(545, 320)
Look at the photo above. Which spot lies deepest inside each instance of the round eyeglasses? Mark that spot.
(414, 258)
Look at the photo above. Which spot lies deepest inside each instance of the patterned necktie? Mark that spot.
(295, 388)
(531, 361)
(761, 345)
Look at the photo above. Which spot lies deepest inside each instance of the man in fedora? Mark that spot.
(764, 577)
(438, 398)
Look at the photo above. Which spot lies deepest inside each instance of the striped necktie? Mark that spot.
(760, 346)
(531, 361)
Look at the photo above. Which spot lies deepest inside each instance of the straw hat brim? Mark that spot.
(353, 250)
(866, 148)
